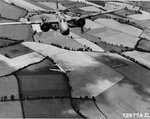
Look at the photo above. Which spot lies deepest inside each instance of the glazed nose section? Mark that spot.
(66, 32)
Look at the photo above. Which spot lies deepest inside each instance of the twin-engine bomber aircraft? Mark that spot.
(61, 22)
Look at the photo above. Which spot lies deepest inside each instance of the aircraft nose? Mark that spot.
(66, 32)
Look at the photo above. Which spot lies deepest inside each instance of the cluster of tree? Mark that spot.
(138, 43)
(56, 45)
(67, 48)
(114, 48)
(12, 43)
(5, 98)
(19, 7)
(49, 58)
(6, 18)
(136, 11)
(6, 38)
(134, 60)
(142, 50)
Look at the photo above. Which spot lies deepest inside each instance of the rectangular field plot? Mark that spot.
(119, 27)
(43, 85)
(108, 59)
(15, 51)
(146, 34)
(87, 108)
(114, 37)
(49, 108)
(57, 38)
(124, 97)
(11, 11)
(141, 57)
(10, 109)
(17, 32)
(89, 76)
(9, 86)
(37, 80)
(5, 42)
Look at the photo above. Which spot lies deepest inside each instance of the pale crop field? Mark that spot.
(88, 77)
(143, 58)
(146, 34)
(10, 109)
(114, 37)
(9, 86)
(9, 65)
(57, 38)
(119, 27)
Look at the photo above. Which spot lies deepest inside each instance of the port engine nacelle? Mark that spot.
(45, 27)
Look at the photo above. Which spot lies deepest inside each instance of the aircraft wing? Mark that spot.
(21, 23)
(92, 15)
(45, 11)
(30, 22)
(99, 13)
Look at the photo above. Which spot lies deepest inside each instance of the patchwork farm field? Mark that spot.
(9, 86)
(18, 32)
(49, 108)
(88, 77)
(114, 37)
(146, 34)
(15, 50)
(112, 60)
(5, 42)
(38, 81)
(125, 96)
(83, 106)
(10, 11)
(57, 38)
(11, 110)
(119, 27)
(141, 57)
(143, 44)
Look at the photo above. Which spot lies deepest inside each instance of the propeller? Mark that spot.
(82, 30)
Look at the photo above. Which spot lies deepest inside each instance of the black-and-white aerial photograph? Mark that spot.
(75, 59)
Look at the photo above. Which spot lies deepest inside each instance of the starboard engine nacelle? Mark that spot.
(80, 22)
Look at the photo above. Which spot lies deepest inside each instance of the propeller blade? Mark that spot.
(82, 30)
